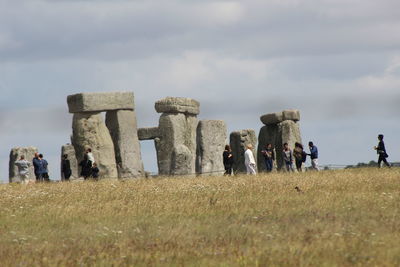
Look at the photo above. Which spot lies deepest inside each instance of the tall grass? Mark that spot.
(340, 218)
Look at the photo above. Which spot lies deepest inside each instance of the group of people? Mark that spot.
(88, 166)
(296, 156)
(40, 166)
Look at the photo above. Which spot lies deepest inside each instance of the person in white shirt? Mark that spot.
(90, 155)
(23, 169)
(249, 160)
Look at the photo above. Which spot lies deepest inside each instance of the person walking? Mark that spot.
(37, 166)
(288, 157)
(381, 151)
(228, 160)
(269, 157)
(249, 160)
(44, 170)
(314, 156)
(299, 156)
(66, 168)
(86, 167)
(23, 169)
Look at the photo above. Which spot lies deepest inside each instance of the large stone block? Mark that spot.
(178, 105)
(238, 141)
(97, 102)
(176, 132)
(292, 115)
(149, 133)
(272, 118)
(268, 135)
(122, 125)
(15, 154)
(70, 151)
(288, 132)
(211, 139)
(90, 131)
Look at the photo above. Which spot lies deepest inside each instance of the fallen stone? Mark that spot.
(122, 125)
(238, 141)
(211, 139)
(292, 115)
(272, 118)
(90, 131)
(15, 154)
(149, 133)
(70, 151)
(98, 102)
(178, 105)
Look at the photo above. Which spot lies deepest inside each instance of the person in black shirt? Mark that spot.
(95, 171)
(381, 150)
(66, 168)
(86, 166)
(228, 160)
(269, 157)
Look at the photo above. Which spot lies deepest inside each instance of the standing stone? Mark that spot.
(211, 139)
(15, 154)
(238, 141)
(268, 135)
(70, 151)
(122, 125)
(281, 127)
(176, 146)
(90, 131)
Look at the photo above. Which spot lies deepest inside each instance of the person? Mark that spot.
(299, 156)
(86, 167)
(313, 155)
(95, 171)
(66, 168)
(90, 155)
(249, 160)
(381, 151)
(44, 169)
(37, 166)
(228, 160)
(288, 157)
(23, 169)
(269, 157)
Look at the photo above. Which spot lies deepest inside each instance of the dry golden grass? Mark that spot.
(342, 218)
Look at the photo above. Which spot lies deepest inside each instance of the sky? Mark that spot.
(337, 61)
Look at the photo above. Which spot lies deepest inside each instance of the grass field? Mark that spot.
(341, 218)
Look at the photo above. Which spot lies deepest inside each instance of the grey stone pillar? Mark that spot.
(281, 127)
(238, 141)
(122, 125)
(15, 154)
(211, 139)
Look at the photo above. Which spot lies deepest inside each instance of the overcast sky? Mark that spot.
(338, 61)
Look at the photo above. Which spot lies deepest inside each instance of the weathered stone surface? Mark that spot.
(149, 133)
(178, 105)
(238, 141)
(70, 151)
(122, 125)
(268, 135)
(272, 118)
(292, 115)
(177, 131)
(97, 102)
(288, 132)
(211, 139)
(90, 131)
(15, 154)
